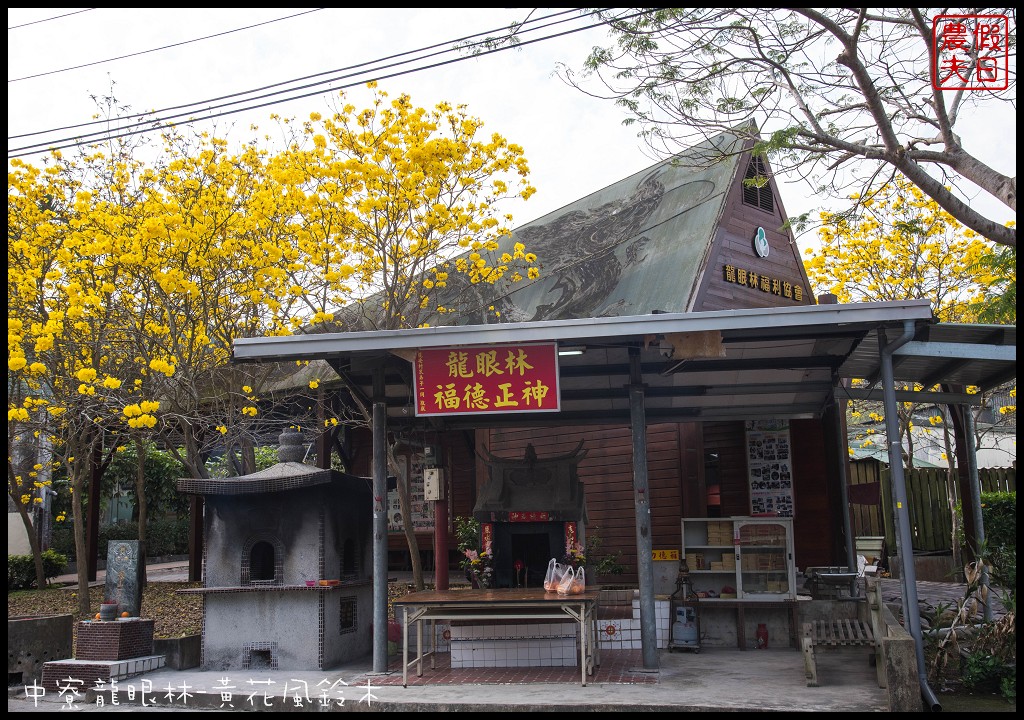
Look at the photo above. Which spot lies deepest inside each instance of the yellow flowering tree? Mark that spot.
(66, 377)
(393, 204)
(393, 201)
(128, 282)
(901, 245)
(126, 287)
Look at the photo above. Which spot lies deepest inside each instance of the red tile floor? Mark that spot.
(617, 666)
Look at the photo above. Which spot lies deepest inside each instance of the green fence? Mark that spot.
(928, 502)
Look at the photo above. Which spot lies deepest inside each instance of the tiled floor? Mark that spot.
(617, 666)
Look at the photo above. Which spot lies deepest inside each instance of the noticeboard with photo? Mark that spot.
(770, 468)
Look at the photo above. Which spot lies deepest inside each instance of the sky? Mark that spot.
(575, 144)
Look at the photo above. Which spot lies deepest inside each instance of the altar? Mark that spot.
(511, 609)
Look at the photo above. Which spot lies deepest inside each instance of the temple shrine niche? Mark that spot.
(531, 508)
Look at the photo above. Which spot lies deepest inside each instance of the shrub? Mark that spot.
(985, 673)
(165, 536)
(999, 513)
(21, 569)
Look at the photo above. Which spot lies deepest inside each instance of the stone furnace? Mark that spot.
(287, 566)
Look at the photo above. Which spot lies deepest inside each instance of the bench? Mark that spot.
(832, 634)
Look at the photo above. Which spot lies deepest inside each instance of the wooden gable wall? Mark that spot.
(725, 281)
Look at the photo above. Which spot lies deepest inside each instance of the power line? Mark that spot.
(449, 45)
(165, 47)
(55, 17)
(155, 123)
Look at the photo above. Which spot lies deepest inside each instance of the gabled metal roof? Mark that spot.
(633, 247)
(779, 362)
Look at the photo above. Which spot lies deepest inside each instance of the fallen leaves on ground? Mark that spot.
(174, 615)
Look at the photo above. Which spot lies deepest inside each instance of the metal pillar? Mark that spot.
(642, 502)
(380, 526)
(901, 513)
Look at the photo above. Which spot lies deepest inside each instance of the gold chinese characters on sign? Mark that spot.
(764, 283)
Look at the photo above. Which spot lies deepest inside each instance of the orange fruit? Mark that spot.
(97, 616)
(125, 614)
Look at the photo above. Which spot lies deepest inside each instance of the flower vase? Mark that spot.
(108, 610)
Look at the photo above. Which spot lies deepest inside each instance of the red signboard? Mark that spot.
(570, 534)
(487, 379)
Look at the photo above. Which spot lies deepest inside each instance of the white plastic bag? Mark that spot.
(574, 582)
(565, 584)
(553, 576)
(579, 585)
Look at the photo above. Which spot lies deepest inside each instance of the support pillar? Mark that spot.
(642, 504)
(441, 544)
(380, 525)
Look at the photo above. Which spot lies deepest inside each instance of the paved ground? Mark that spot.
(715, 679)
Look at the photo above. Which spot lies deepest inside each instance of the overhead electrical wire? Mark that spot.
(55, 17)
(164, 47)
(450, 45)
(154, 123)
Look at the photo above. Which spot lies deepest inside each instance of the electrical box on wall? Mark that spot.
(430, 456)
(433, 484)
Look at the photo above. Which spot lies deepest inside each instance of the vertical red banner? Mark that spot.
(570, 535)
(486, 537)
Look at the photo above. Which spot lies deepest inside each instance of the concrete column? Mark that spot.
(380, 526)
(642, 502)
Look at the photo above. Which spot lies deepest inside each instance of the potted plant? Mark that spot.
(479, 561)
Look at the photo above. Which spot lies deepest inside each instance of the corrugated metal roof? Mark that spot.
(777, 362)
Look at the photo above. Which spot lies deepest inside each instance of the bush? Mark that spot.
(999, 513)
(985, 673)
(166, 536)
(21, 569)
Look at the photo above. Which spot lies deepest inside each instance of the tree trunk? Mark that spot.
(141, 450)
(33, 543)
(400, 471)
(81, 552)
(248, 452)
(951, 480)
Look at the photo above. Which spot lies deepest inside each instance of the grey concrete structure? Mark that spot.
(287, 556)
(33, 641)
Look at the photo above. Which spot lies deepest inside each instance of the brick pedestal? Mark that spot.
(114, 640)
(105, 651)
